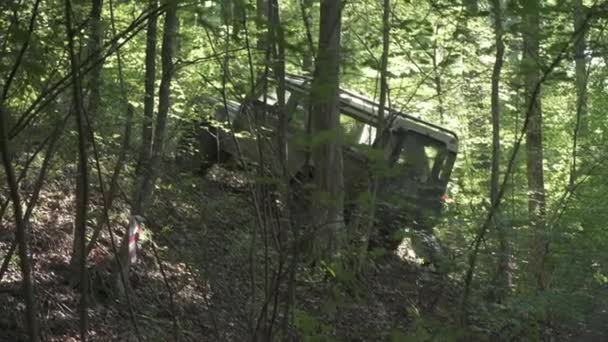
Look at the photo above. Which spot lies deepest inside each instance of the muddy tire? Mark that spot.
(209, 147)
(389, 229)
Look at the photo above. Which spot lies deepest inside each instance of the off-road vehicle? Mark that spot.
(412, 158)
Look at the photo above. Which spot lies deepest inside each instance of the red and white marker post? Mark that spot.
(134, 230)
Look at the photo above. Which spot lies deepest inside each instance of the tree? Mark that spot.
(534, 138)
(503, 276)
(92, 109)
(261, 20)
(21, 221)
(164, 100)
(22, 234)
(82, 188)
(386, 10)
(305, 6)
(240, 232)
(581, 127)
(380, 141)
(327, 153)
(277, 42)
(150, 175)
(150, 77)
(145, 155)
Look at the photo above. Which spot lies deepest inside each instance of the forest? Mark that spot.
(303, 170)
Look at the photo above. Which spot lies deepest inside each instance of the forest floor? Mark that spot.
(202, 231)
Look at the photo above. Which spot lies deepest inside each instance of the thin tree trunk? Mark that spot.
(120, 161)
(125, 146)
(510, 165)
(327, 154)
(308, 58)
(82, 196)
(261, 20)
(94, 46)
(145, 154)
(277, 41)
(20, 57)
(370, 211)
(146, 189)
(37, 187)
(534, 141)
(94, 99)
(167, 53)
(581, 128)
(437, 81)
(22, 233)
(503, 276)
(384, 63)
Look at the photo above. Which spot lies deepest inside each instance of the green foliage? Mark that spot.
(311, 328)
(440, 69)
(431, 329)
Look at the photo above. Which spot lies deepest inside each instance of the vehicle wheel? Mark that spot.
(389, 229)
(305, 175)
(387, 238)
(209, 149)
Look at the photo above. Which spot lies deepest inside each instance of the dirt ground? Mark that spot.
(214, 282)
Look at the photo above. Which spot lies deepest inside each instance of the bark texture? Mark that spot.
(82, 189)
(581, 129)
(94, 100)
(327, 150)
(384, 62)
(534, 140)
(145, 154)
(145, 189)
(164, 103)
(503, 277)
(22, 233)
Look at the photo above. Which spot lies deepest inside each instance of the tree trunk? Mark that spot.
(534, 141)
(94, 99)
(82, 194)
(93, 47)
(37, 187)
(581, 128)
(261, 20)
(503, 277)
(145, 153)
(327, 153)
(125, 146)
(164, 102)
(22, 234)
(368, 212)
(384, 63)
(146, 187)
(309, 52)
(437, 82)
(277, 41)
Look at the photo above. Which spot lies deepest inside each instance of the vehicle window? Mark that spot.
(357, 132)
(265, 108)
(354, 131)
(271, 97)
(298, 119)
(419, 157)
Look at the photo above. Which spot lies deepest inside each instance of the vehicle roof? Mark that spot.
(364, 109)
